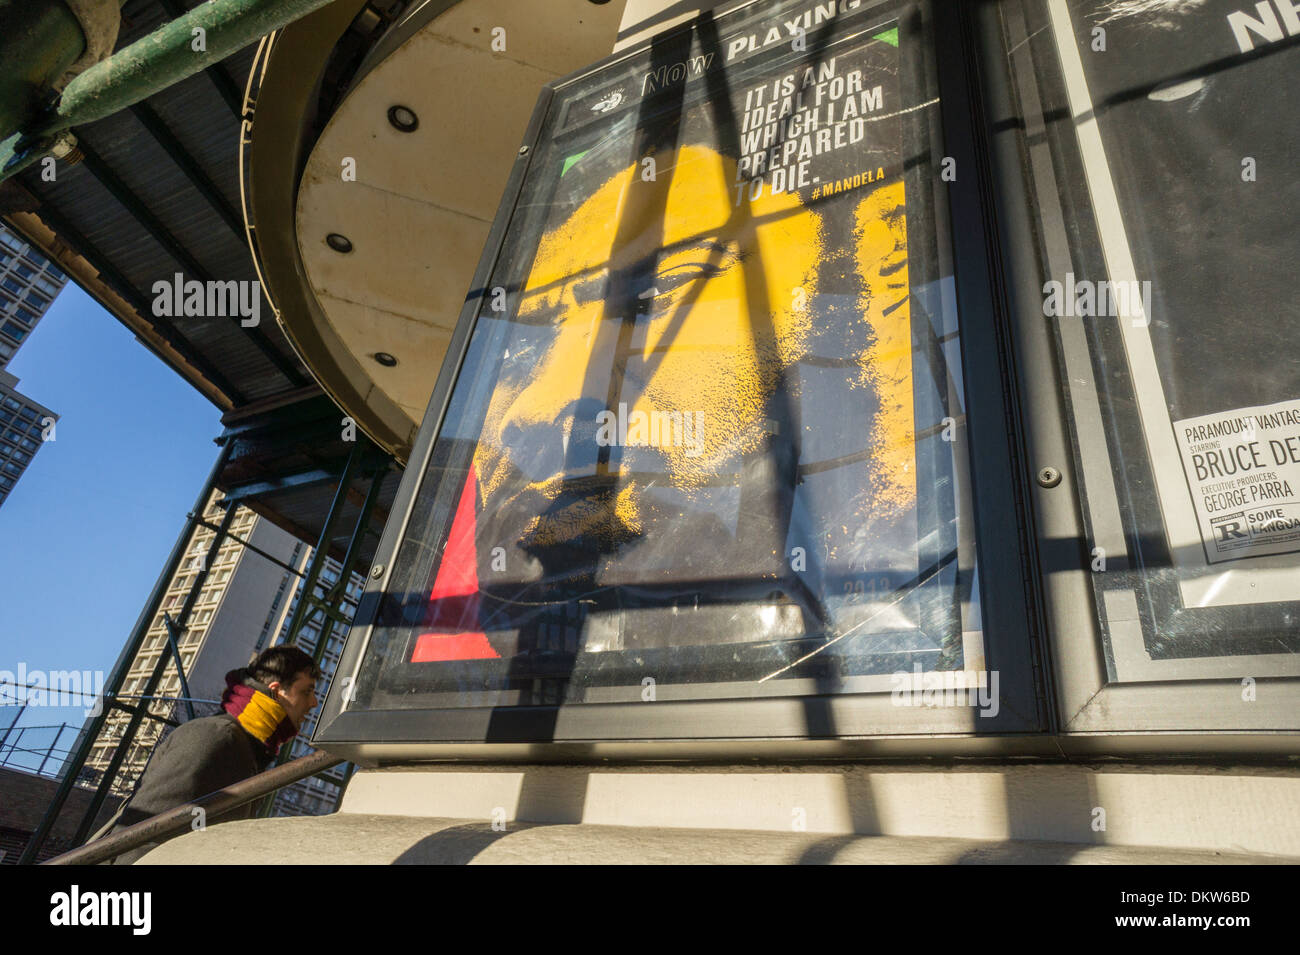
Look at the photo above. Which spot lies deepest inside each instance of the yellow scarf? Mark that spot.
(261, 716)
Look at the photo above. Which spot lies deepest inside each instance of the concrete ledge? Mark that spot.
(359, 839)
(1234, 809)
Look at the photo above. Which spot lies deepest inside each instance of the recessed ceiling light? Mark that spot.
(339, 243)
(385, 359)
(403, 118)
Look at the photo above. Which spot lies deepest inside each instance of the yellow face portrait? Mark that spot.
(663, 302)
(880, 233)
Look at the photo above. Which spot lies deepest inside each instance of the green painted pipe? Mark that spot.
(178, 49)
(39, 40)
(171, 54)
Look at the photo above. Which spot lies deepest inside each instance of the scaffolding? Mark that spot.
(365, 465)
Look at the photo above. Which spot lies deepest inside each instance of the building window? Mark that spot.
(14, 331)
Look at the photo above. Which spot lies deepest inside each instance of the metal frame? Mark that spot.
(328, 605)
(745, 723)
(1090, 700)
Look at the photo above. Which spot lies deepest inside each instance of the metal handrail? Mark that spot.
(178, 820)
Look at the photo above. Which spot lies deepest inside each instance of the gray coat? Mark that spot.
(196, 758)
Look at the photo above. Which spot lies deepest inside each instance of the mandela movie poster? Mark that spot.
(697, 431)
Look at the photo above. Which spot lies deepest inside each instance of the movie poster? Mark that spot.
(704, 429)
(1191, 174)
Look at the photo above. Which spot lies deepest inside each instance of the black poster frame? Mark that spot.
(998, 491)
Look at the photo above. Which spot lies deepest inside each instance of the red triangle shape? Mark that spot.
(454, 601)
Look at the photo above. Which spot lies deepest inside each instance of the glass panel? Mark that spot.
(1175, 310)
(708, 435)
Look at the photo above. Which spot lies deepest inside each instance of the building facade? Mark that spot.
(29, 283)
(24, 426)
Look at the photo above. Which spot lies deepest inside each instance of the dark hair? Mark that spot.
(282, 664)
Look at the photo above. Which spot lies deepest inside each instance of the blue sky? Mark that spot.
(87, 528)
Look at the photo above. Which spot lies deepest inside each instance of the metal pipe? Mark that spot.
(168, 699)
(220, 81)
(40, 40)
(307, 600)
(180, 819)
(174, 642)
(14, 747)
(95, 724)
(10, 728)
(170, 54)
(350, 559)
(178, 49)
(133, 725)
(360, 530)
(256, 550)
(48, 753)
